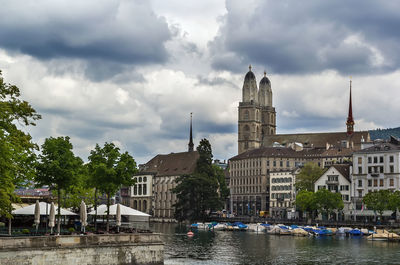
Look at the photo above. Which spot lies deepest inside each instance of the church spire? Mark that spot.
(191, 145)
(350, 120)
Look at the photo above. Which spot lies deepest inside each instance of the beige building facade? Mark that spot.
(249, 172)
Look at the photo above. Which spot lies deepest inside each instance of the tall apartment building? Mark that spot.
(375, 168)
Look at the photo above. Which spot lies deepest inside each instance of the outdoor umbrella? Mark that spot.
(37, 215)
(52, 217)
(118, 216)
(83, 216)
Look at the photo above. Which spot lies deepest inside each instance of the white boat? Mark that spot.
(257, 228)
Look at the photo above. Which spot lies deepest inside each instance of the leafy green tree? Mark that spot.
(110, 170)
(306, 202)
(81, 190)
(378, 201)
(308, 175)
(328, 201)
(223, 190)
(58, 167)
(16, 146)
(202, 191)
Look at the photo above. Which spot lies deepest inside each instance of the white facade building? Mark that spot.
(338, 179)
(375, 168)
(282, 193)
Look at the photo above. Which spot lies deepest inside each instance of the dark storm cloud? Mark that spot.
(352, 37)
(105, 34)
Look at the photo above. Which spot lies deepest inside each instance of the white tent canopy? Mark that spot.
(102, 210)
(30, 210)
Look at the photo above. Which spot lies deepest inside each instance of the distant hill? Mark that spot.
(384, 133)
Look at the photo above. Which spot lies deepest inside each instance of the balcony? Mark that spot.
(332, 182)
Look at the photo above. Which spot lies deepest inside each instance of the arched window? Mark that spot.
(144, 206)
(144, 179)
(246, 115)
(140, 206)
(135, 204)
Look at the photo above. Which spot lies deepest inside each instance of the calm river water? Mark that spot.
(250, 248)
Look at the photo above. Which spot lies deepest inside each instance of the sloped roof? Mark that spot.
(344, 170)
(380, 147)
(174, 164)
(279, 152)
(318, 139)
(335, 152)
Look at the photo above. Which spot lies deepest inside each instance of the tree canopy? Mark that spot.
(328, 201)
(58, 167)
(204, 190)
(16, 146)
(308, 175)
(109, 170)
(379, 201)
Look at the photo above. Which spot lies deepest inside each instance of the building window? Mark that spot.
(135, 190)
(381, 182)
(287, 164)
(375, 159)
(246, 115)
(140, 189)
(381, 159)
(369, 182)
(359, 170)
(360, 160)
(391, 182)
(375, 183)
(369, 160)
(274, 164)
(360, 183)
(391, 169)
(391, 159)
(281, 163)
(369, 170)
(144, 189)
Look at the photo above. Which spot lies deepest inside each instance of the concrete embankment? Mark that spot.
(107, 249)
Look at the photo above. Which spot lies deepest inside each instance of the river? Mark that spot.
(225, 247)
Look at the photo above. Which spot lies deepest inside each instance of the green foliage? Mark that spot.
(71, 230)
(328, 201)
(381, 200)
(25, 231)
(223, 188)
(109, 170)
(58, 167)
(204, 190)
(81, 190)
(308, 175)
(306, 201)
(16, 146)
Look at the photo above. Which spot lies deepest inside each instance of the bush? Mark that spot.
(26, 231)
(71, 230)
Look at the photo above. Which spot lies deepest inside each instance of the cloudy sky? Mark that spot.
(131, 71)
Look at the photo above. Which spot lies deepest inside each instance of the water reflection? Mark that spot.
(250, 248)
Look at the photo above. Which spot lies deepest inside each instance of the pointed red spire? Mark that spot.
(350, 120)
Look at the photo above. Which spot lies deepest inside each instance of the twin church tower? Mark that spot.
(257, 116)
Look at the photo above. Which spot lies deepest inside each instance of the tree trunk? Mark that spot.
(59, 212)
(95, 209)
(9, 220)
(108, 212)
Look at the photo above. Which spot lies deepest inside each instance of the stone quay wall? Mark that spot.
(107, 249)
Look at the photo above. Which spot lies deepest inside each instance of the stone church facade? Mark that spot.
(257, 116)
(262, 151)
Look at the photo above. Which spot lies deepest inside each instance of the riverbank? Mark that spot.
(104, 249)
(252, 219)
